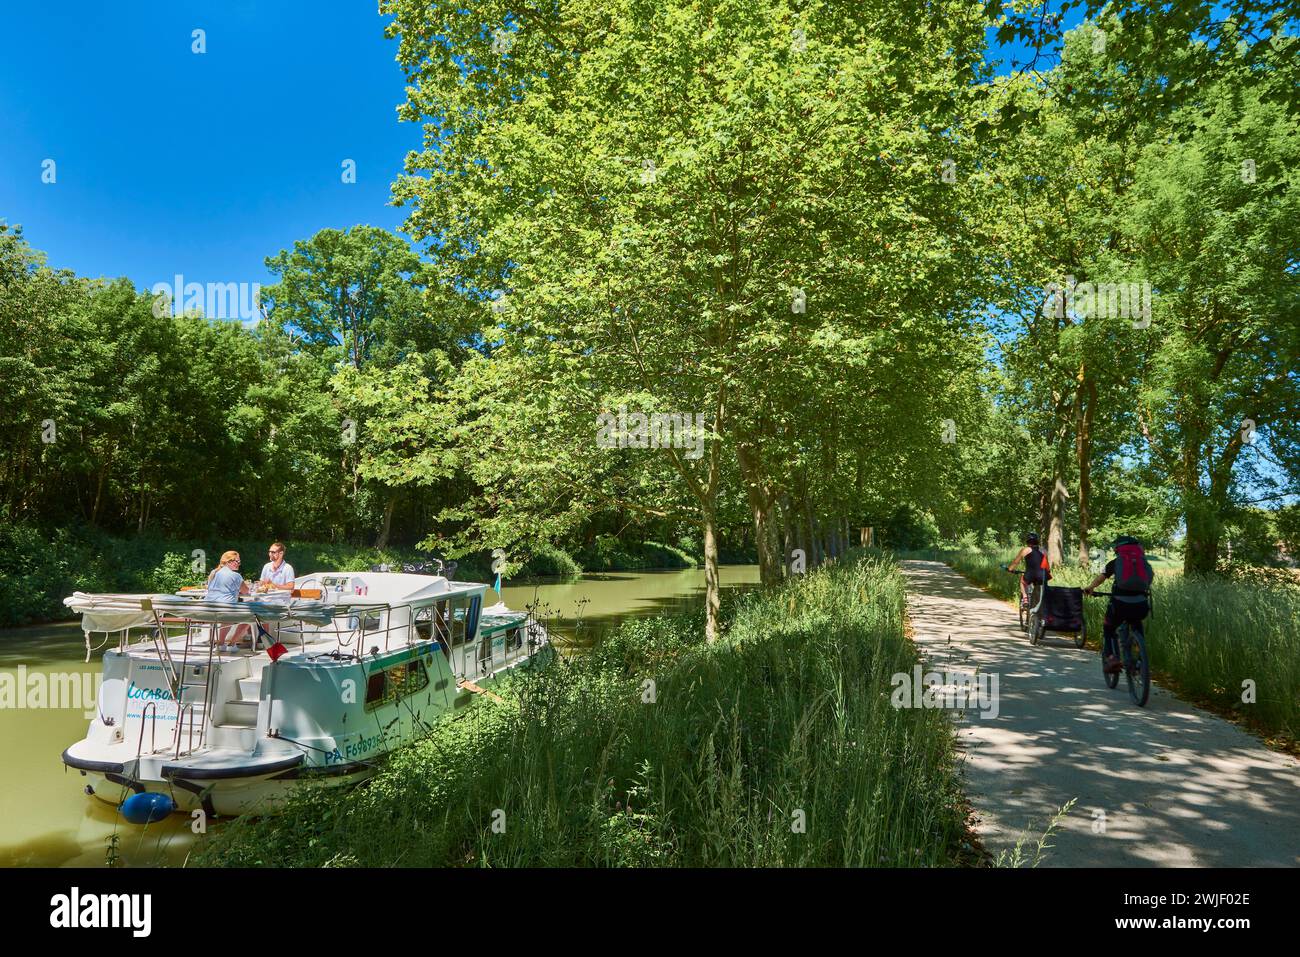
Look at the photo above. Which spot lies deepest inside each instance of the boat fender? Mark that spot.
(147, 808)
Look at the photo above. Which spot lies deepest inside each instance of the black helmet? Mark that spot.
(1031, 538)
(1125, 540)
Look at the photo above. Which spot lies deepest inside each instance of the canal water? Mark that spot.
(46, 820)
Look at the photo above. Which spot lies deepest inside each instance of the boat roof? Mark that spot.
(117, 611)
(496, 619)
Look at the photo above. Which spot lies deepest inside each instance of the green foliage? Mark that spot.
(909, 528)
(547, 561)
(608, 553)
(718, 270)
(1288, 528)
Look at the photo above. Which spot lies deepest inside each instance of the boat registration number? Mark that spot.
(356, 750)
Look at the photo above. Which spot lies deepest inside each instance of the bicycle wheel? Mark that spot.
(1112, 678)
(1081, 636)
(1136, 668)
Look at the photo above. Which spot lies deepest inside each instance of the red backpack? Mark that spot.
(1132, 570)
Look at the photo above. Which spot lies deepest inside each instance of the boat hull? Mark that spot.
(223, 798)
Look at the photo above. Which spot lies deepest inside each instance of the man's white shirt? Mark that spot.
(281, 576)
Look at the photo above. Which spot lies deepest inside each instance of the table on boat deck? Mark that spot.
(274, 594)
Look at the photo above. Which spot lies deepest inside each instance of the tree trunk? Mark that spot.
(1056, 523)
(769, 567)
(787, 536)
(1083, 454)
(99, 496)
(387, 523)
(1044, 511)
(1059, 493)
(1204, 513)
(712, 589)
(810, 537)
(1201, 554)
(760, 505)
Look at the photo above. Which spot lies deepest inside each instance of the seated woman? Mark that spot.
(225, 584)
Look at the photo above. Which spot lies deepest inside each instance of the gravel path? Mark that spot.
(1178, 786)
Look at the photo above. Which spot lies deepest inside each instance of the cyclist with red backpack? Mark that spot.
(1037, 568)
(1130, 594)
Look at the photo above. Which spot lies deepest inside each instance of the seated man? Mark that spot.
(277, 573)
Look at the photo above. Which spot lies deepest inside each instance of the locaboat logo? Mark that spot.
(960, 690)
(102, 910)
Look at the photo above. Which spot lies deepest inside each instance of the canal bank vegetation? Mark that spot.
(776, 746)
(1230, 645)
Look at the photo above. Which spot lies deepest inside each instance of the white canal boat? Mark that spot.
(226, 707)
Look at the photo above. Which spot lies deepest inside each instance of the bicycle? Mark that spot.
(1136, 666)
(1030, 605)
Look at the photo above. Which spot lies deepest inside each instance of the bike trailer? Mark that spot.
(1062, 609)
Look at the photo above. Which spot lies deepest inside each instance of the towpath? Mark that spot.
(1177, 785)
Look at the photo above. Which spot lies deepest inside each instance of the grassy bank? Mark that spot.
(1206, 637)
(776, 746)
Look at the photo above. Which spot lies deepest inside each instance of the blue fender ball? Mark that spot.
(147, 808)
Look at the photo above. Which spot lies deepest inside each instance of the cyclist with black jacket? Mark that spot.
(1129, 595)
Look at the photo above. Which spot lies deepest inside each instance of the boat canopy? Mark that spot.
(109, 613)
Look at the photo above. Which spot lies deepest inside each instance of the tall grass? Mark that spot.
(1207, 636)
(774, 747)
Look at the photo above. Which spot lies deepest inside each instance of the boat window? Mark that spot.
(375, 689)
(408, 678)
(385, 687)
(458, 609)
(464, 618)
(424, 623)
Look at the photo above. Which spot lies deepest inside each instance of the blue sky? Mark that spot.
(168, 161)
(172, 162)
